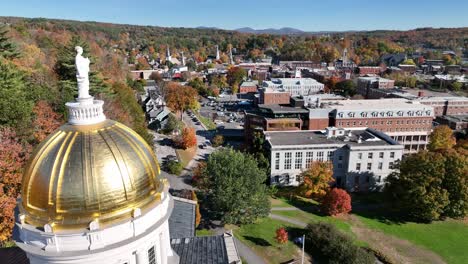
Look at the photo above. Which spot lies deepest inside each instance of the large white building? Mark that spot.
(361, 158)
(295, 86)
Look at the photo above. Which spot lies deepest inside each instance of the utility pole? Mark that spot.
(303, 244)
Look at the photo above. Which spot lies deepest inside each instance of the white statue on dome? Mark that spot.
(82, 70)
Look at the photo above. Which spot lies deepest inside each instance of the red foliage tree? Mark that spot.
(13, 156)
(188, 138)
(336, 201)
(281, 235)
(46, 120)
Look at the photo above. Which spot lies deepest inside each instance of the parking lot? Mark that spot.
(224, 112)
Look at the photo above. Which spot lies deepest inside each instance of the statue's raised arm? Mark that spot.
(82, 73)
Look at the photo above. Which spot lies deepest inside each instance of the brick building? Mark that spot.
(248, 87)
(269, 96)
(408, 122)
(364, 70)
(366, 84)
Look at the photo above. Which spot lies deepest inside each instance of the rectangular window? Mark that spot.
(151, 256)
(390, 165)
(380, 165)
(381, 155)
(298, 161)
(320, 155)
(370, 155)
(340, 165)
(369, 166)
(358, 166)
(367, 179)
(309, 158)
(379, 179)
(340, 157)
(277, 161)
(287, 160)
(392, 154)
(330, 155)
(359, 155)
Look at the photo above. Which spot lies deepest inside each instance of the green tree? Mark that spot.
(456, 183)
(457, 86)
(409, 62)
(346, 88)
(8, 49)
(236, 75)
(441, 138)
(15, 107)
(171, 124)
(417, 190)
(236, 187)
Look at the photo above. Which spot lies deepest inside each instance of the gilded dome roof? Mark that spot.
(87, 172)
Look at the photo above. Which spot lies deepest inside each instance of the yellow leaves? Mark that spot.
(317, 179)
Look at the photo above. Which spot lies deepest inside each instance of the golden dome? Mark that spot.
(87, 172)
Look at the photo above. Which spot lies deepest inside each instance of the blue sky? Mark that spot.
(309, 15)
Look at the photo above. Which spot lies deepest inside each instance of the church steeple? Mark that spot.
(168, 54)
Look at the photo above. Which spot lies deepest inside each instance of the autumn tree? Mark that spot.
(142, 64)
(316, 179)
(281, 235)
(199, 177)
(455, 182)
(197, 208)
(45, 120)
(188, 138)
(217, 140)
(441, 138)
(336, 201)
(235, 75)
(13, 157)
(180, 98)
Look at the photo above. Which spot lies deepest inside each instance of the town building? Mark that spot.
(248, 87)
(295, 86)
(268, 96)
(365, 84)
(455, 122)
(408, 122)
(365, 70)
(361, 158)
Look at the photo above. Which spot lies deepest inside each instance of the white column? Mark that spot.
(141, 257)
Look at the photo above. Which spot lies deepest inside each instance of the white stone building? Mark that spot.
(295, 86)
(361, 158)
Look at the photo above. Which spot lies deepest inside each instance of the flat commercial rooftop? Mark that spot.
(279, 109)
(369, 137)
(371, 104)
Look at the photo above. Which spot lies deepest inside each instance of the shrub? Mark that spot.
(217, 140)
(197, 208)
(174, 167)
(336, 201)
(281, 235)
(329, 245)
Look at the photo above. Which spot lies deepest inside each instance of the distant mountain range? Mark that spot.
(275, 31)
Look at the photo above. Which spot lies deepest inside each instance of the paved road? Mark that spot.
(288, 220)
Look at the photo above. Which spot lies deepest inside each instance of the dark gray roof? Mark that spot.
(182, 220)
(206, 250)
(279, 109)
(13, 255)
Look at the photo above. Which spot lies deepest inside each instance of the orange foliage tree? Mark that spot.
(46, 120)
(180, 98)
(281, 235)
(336, 201)
(188, 138)
(197, 209)
(316, 179)
(13, 156)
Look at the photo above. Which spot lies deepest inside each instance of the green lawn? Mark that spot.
(446, 238)
(260, 237)
(206, 121)
(313, 218)
(204, 232)
(186, 155)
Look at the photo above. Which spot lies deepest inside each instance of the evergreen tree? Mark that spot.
(15, 107)
(7, 48)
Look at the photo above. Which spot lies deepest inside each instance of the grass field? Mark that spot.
(260, 237)
(449, 238)
(204, 232)
(207, 122)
